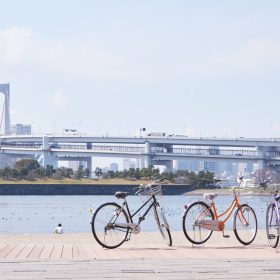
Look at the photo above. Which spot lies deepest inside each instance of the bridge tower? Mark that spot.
(5, 89)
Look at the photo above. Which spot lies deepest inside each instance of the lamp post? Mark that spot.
(54, 125)
(142, 129)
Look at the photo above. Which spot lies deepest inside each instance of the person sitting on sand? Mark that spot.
(59, 229)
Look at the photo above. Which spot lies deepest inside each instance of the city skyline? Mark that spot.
(187, 67)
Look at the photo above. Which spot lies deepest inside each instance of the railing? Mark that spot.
(22, 145)
(217, 152)
(274, 154)
(130, 149)
(155, 150)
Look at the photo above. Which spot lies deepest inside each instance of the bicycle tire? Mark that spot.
(103, 229)
(188, 221)
(162, 225)
(242, 228)
(272, 226)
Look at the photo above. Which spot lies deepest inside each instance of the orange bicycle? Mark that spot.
(201, 219)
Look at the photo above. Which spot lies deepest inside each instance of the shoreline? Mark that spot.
(227, 191)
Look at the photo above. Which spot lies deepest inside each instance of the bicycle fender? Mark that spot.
(186, 207)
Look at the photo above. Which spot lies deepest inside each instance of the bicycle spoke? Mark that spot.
(103, 228)
(245, 224)
(197, 212)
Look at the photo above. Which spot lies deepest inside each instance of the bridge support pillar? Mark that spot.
(5, 89)
(261, 162)
(89, 164)
(147, 157)
(169, 165)
(47, 157)
(174, 165)
(6, 161)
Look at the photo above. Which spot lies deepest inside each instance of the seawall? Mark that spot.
(82, 189)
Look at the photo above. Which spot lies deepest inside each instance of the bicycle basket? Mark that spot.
(148, 190)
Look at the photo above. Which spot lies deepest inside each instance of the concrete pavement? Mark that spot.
(145, 256)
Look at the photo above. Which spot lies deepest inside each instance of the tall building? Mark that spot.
(127, 164)
(190, 165)
(211, 166)
(21, 129)
(114, 167)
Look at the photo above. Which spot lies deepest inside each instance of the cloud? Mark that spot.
(59, 100)
(15, 44)
(18, 47)
(252, 58)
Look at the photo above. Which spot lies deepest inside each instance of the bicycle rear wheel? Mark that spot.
(162, 225)
(272, 226)
(195, 213)
(245, 224)
(104, 228)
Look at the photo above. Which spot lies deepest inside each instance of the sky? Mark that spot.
(196, 68)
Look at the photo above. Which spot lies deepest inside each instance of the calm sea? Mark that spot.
(40, 214)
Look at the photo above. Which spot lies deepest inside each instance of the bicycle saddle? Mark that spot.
(121, 194)
(277, 197)
(210, 196)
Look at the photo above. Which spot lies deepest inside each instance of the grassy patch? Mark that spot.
(75, 181)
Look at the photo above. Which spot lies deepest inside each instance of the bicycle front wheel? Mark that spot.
(108, 225)
(245, 224)
(162, 225)
(196, 213)
(272, 226)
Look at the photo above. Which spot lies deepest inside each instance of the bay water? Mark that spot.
(41, 214)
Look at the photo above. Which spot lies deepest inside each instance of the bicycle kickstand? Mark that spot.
(225, 235)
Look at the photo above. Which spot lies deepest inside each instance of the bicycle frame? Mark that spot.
(234, 204)
(219, 225)
(275, 204)
(131, 225)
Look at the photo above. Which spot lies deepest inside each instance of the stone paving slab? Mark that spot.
(145, 245)
(145, 256)
(153, 268)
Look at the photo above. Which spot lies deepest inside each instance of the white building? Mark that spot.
(21, 129)
(114, 167)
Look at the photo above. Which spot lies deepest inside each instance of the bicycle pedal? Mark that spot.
(271, 236)
(226, 236)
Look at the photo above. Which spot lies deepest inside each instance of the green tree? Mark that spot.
(29, 164)
(87, 173)
(137, 173)
(50, 171)
(144, 173)
(131, 173)
(79, 173)
(25, 165)
(203, 179)
(155, 173)
(98, 172)
(40, 172)
(63, 172)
